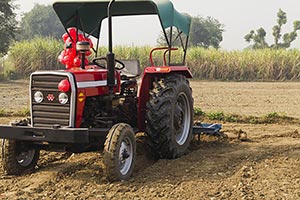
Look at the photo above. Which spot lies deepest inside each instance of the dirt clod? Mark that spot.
(265, 168)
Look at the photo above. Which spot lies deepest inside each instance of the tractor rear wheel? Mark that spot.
(119, 152)
(18, 157)
(169, 117)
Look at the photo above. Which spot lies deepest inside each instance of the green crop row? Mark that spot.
(247, 65)
(200, 115)
(206, 64)
(26, 57)
(270, 118)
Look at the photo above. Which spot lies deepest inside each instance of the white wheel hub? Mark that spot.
(125, 156)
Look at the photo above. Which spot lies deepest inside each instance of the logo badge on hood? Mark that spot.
(50, 97)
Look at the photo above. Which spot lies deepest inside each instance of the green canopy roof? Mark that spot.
(87, 15)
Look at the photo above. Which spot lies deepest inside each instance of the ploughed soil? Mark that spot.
(254, 162)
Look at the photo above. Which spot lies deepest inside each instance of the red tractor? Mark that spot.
(96, 104)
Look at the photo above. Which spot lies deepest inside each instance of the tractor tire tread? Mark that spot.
(111, 153)
(10, 163)
(158, 117)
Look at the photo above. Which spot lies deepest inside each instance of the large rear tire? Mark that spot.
(119, 152)
(18, 157)
(169, 117)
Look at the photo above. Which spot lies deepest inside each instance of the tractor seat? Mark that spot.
(131, 70)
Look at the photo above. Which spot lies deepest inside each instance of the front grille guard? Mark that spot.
(73, 93)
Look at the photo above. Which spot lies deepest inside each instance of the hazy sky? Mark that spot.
(238, 16)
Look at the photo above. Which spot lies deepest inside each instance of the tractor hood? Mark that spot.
(87, 15)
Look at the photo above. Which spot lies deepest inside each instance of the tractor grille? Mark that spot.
(50, 112)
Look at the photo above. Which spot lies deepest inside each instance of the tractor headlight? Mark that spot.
(38, 97)
(63, 98)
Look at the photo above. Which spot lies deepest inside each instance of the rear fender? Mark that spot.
(150, 73)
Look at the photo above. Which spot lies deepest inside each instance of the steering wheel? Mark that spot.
(121, 63)
(104, 58)
(94, 61)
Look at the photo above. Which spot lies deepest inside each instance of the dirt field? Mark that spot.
(14, 95)
(265, 165)
(248, 98)
(244, 98)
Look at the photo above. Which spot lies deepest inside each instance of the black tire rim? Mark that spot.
(25, 158)
(125, 156)
(182, 118)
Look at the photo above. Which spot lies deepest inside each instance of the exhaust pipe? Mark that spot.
(110, 58)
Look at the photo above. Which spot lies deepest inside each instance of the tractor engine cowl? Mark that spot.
(58, 98)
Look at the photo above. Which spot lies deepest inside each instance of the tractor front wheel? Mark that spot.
(119, 152)
(169, 117)
(18, 157)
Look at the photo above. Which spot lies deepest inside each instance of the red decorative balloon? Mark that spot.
(73, 33)
(77, 62)
(69, 66)
(69, 56)
(81, 37)
(88, 53)
(71, 52)
(65, 36)
(64, 85)
(86, 61)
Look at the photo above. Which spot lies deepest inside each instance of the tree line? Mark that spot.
(42, 21)
(206, 32)
(257, 38)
